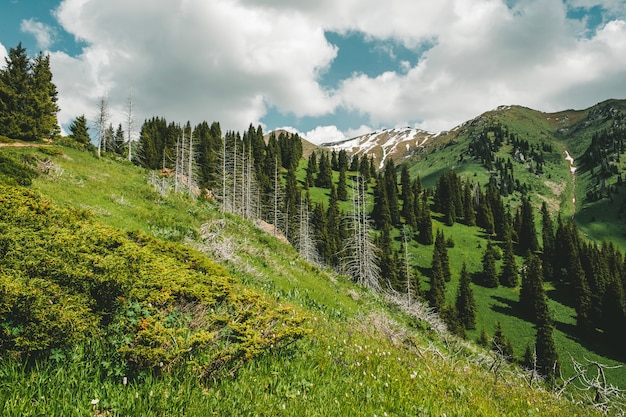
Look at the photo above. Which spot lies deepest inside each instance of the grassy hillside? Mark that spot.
(572, 131)
(211, 315)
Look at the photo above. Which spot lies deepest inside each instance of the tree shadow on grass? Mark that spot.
(507, 307)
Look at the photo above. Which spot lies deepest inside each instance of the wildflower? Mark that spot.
(95, 401)
(124, 381)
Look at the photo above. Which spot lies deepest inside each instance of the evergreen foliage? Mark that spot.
(509, 276)
(79, 131)
(489, 276)
(465, 303)
(28, 97)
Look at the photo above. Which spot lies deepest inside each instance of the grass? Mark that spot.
(362, 357)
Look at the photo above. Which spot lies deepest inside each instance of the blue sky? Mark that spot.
(326, 69)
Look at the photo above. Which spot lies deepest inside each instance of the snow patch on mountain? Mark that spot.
(383, 143)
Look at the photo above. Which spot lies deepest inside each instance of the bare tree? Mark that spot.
(130, 123)
(101, 124)
(306, 244)
(362, 253)
(407, 269)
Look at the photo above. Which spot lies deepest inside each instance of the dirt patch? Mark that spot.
(556, 188)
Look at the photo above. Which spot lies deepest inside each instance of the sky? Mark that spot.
(327, 69)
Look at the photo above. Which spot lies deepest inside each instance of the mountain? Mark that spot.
(384, 144)
(571, 159)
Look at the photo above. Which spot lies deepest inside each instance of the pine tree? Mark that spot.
(465, 303)
(508, 275)
(489, 274)
(583, 297)
(424, 223)
(324, 175)
(28, 97)
(391, 188)
(547, 357)
(79, 131)
(547, 238)
(440, 246)
(380, 211)
(532, 297)
(436, 294)
(311, 170)
(527, 237)
(468, 204)
(44, 100)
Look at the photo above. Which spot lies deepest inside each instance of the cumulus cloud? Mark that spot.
(3, 55)
(231, 60)
(322, 134)
(198, 60)
(44, 34)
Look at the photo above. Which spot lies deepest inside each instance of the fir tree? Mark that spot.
(465, 303)
(436, 295)
(489, 275)
(468, 205)
(342, 190)
(424, 223)
(532, 297)
(508, 275)
(527, 237)
(547, 357)
(547, 238)
(324, 175)
(440, 246)
(79, 131)
(391, 188)
(583, 297)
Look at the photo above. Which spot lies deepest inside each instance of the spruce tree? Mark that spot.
(324, 175)
(527, 237)
(380, 212)
(489, 274)
(582, 296)
(391, 188)
(465, 303)
(547, 238)
(79, 131)
(468, 205)
(547, 357)
(532, 297)
(424, 223)
(440, 246)
(436, 294)
(508, 275)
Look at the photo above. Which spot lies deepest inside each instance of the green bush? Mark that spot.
(157, 305)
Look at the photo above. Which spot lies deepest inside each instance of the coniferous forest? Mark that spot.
(450, 242)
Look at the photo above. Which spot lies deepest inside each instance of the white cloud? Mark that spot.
(44, 34)
(3, 55)
(230, 60)
(325, 134)
(198, 60)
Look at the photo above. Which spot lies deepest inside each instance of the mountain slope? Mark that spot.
(362, 357)
(383, 144)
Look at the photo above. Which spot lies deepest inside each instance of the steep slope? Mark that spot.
(362, 357)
